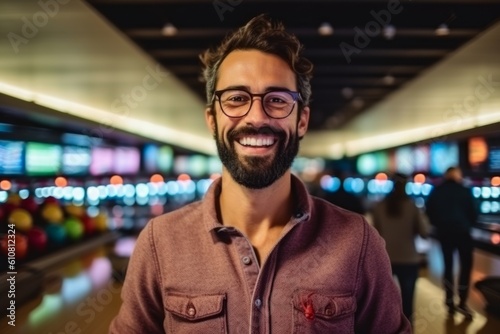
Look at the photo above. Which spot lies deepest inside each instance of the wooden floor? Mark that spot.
(431, 316)
(81, 297)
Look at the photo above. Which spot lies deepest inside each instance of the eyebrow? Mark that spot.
(268, 89)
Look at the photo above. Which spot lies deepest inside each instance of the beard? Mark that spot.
(257, 172)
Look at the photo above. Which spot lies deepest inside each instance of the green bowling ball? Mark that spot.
(74, 228)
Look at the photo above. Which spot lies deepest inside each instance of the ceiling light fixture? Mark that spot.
(347, 92)
(169, 30)
(389, 31)
(442, 30)
(325, 29)
(389, 79)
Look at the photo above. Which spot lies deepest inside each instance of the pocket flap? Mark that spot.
(194, 307)
(324, 306)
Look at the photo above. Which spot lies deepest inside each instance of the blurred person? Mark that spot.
(258, 254)
(451, 210)
(399, 222)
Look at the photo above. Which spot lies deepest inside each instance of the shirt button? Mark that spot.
(246, 260)
(191, 311)
(258, 303)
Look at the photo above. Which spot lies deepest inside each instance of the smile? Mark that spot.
(256, 141)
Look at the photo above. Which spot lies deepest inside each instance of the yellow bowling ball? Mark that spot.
(52, 213)
(101, 222)
(14, 199)
(22, 219)
(74, 210)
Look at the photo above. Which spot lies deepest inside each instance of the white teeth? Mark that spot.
(251, 141)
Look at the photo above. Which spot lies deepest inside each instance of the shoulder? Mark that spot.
(336, 221)
(179, 219)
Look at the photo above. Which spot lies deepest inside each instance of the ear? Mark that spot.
(303, 122)
(210, 119)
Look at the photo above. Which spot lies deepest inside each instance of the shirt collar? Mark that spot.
(302, 200)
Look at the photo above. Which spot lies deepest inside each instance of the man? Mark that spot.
(258, 254)
(451, 210)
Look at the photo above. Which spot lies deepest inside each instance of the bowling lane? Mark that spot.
(81, 295)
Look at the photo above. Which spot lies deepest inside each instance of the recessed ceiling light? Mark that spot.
(169, 30)
(389, 79)
(325, 29)
(347, 92)
(389, 31)
(442, 30)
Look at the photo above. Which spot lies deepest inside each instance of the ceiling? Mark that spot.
(351, 74)
(107, 62)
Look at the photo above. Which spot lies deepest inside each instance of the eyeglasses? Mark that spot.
(236, 103)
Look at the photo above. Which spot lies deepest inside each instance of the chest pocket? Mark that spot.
(195, 313)
(318, 313)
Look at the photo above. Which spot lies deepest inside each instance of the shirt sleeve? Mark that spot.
(142, 307)
(379, 307)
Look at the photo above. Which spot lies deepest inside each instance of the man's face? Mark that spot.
(255, 149)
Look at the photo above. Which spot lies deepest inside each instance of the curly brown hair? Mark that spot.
(260, 33)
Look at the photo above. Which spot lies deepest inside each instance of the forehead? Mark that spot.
(256, 70)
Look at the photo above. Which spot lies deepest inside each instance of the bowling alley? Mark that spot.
(218, 166)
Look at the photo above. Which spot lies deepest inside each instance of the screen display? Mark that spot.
(150, 155)
(43, 159)
(102, 160)
(11, 157)
(165, 159)
(494, 158)
(421, 158)
(443, 156)
(127, 160)
(76, 160)
(405, 162)
(198, 165)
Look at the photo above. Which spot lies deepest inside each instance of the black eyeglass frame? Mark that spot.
(295, 96)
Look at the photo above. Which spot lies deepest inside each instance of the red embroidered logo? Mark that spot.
(307, 305)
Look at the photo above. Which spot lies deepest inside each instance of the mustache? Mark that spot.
(250, 130)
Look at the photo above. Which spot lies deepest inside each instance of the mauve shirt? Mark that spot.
(328, 273)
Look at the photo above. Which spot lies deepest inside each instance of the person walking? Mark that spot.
(451, 210)
(399, 221)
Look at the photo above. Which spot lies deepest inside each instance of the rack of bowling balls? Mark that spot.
(45, 227)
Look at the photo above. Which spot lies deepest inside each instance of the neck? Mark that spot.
(255, 212)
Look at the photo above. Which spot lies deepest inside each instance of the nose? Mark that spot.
(256, 115)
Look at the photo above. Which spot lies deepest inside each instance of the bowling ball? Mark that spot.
(21, 246)
(75, 210)
(101, 222)
(14, 199)
(21, 219)
(51, 200)
(74, 228)
(56, 234)
(30, 205)
(37, 239)
(52, 213)
(88, 225)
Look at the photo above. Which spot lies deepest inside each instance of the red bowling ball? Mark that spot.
(20, 247)
(29, 204)
(37, 239)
